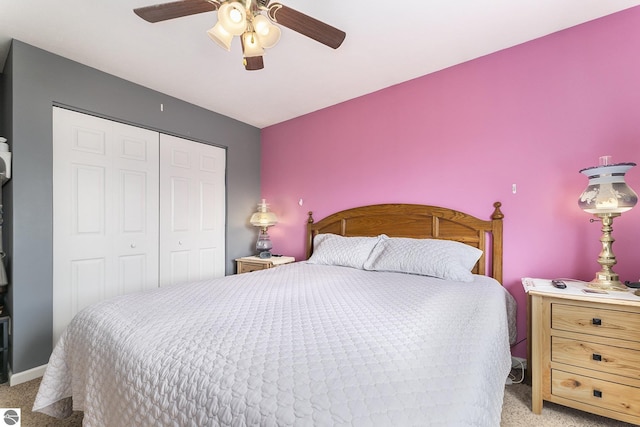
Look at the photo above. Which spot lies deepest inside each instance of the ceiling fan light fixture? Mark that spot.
(219, 35)
(251, 45)
(257, 23)
(233, 17)
(268, 34)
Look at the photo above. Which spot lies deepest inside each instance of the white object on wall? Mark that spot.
(5, 156)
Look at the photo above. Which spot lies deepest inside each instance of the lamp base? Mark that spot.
(607, 285)
(263, 245)
(606, 279)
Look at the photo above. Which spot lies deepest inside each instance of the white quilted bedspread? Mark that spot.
(301, 344)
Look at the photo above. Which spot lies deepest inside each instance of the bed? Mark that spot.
(364, 332)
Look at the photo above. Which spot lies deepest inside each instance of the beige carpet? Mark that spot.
(22, 396)
(516, 410)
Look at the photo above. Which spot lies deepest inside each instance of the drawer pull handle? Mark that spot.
(597, 357)
(596, 321)
(597, 393)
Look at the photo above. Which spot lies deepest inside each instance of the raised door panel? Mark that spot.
(88, 184)
(87, 282)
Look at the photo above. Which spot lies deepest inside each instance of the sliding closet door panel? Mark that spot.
(211, 210)
(105, 213)
(192, 210)
(136, 204)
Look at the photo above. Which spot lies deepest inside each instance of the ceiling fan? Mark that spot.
(245, 18)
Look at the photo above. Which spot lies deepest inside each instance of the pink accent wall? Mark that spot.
(532, 115)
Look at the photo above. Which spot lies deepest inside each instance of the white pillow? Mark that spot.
(332, 249)
(445, 259)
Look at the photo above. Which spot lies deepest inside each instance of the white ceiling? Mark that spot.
(387, 43)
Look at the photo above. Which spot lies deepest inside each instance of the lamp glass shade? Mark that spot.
(268, 34)
(607, 191)
(263, 217)
(219, 35)
(233, 17)
(251, 45)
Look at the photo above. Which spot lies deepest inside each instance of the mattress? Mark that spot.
(297, 345)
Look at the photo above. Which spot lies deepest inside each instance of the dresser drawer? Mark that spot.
(600, 357)
(248, 264)
(596, 321)
(247, 267)
(603, 394)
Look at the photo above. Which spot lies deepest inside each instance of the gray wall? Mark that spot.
(34, 81)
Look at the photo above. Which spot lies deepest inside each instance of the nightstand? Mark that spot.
(585, 349)
(253, 263)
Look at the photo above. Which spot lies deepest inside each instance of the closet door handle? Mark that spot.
(133, 245)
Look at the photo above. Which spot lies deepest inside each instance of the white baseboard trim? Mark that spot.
(25, 376)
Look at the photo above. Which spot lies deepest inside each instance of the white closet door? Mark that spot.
(105, 212)
(192, 210)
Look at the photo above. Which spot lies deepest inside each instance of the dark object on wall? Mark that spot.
(4, 347)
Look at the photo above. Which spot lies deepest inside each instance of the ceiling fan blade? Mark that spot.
(176, 9)
(253, 63)
(306, 25)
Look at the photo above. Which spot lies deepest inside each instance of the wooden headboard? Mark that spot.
(419, 222)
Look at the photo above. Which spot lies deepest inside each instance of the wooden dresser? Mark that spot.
(585, 350)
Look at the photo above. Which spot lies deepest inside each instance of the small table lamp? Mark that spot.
(263, 219)
(607, 196)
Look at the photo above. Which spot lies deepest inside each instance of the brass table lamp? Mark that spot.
(264, 219)
(607, 196)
